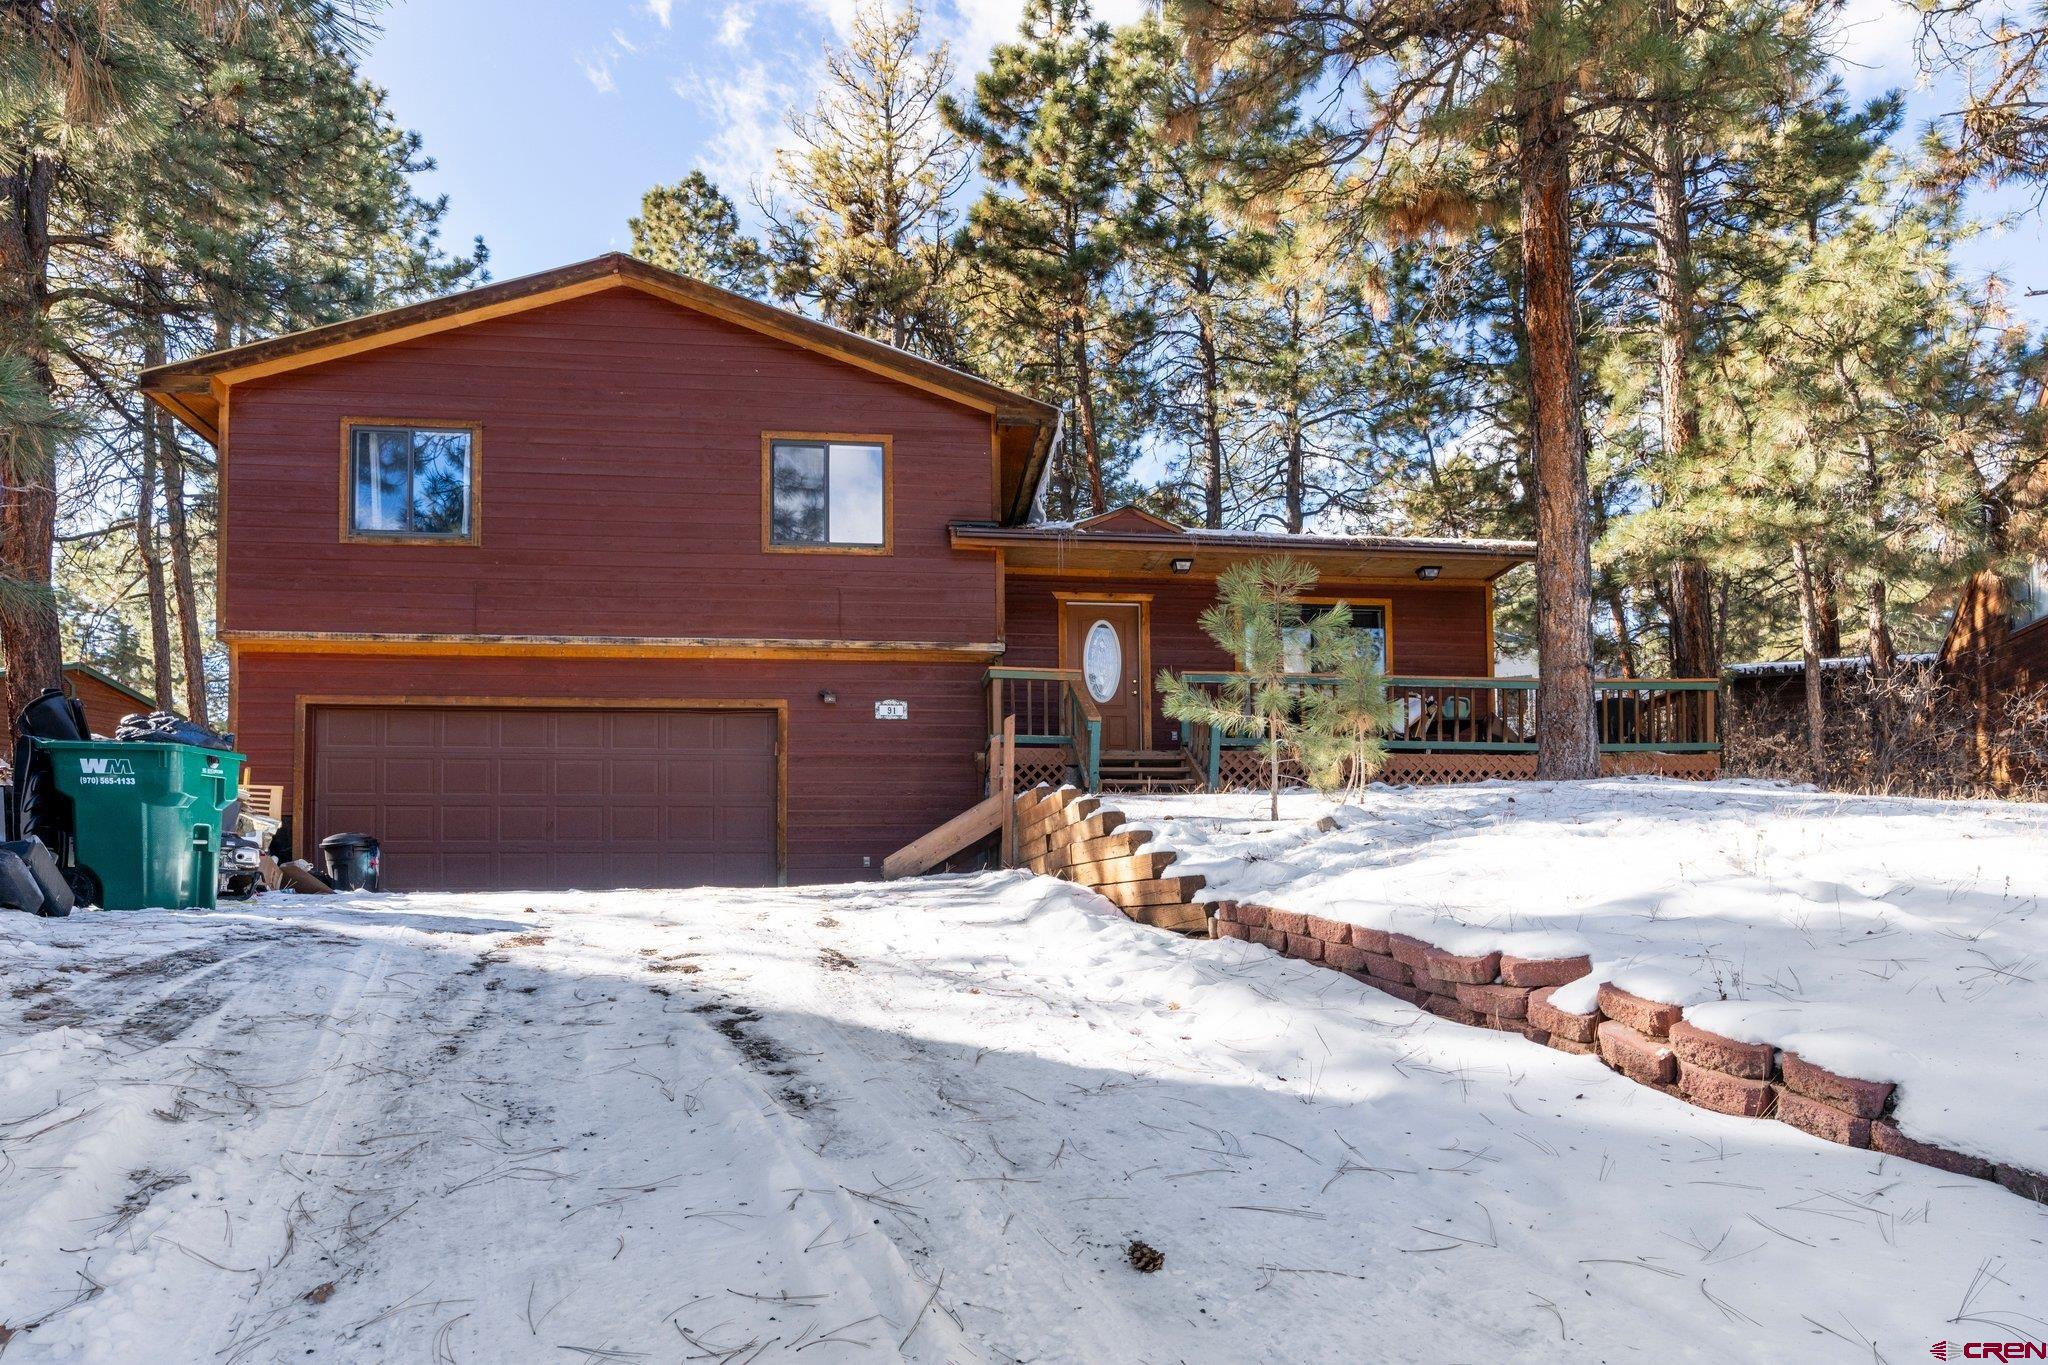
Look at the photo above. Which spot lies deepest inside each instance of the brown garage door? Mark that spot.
(469, 798)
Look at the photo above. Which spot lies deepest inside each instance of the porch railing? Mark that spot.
(1498, 715)
(1053, 709)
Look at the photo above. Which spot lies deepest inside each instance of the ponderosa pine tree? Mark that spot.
(1453, 118)
(691, 227)
(81, 81)
(865, 234)
(1198, 264)
(1056, 125)
(276, 195)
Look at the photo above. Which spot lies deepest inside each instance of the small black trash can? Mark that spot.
(351, 861)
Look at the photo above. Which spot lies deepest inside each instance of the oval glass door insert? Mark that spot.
(1102, 661)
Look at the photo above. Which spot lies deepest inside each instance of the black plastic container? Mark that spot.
(351, 861)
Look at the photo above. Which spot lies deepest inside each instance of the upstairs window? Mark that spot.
(411, 483)
(828, 494)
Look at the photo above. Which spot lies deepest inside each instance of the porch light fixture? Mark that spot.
(828, 696)
(1183, 565)
(1428, 572)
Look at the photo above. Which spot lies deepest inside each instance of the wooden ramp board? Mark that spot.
(926, 852)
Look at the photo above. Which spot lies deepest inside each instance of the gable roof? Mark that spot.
(193, 390)
(1128, 517)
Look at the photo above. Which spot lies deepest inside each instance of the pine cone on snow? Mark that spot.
(1145, 1258)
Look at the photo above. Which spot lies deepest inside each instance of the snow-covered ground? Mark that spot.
(918, 1121)
(1892, 940)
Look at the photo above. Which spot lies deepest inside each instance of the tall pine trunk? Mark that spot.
(1565, 745)
(1810, 650)
(1296, 478)
(1084, 409)
(33, 646)
(1692, 630)
(1212, 416)
(147, 544)
(192, 645)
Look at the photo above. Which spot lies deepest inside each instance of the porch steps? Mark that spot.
(1148, 770)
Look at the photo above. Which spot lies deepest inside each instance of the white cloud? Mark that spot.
(662, 10)
(747, 107)
(598, 71)
(734, 23)
(1874, 46)
(622, 42)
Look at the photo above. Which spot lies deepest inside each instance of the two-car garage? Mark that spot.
(533, 797)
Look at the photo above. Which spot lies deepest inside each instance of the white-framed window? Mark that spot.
(409, 482)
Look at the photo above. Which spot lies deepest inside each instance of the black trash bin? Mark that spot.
(351, 861)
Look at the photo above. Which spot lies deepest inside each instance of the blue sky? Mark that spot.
(549, 120)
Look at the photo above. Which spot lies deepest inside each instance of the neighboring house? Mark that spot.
(604, 576)
(2024, 659)
(106, 699)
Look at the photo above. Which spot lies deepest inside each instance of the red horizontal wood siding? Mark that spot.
(1438, 631)
(104, 705)
(857, 786)
(619, 487)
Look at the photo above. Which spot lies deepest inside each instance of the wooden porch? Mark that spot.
(1458, 730)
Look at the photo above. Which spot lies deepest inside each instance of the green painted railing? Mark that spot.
(1053, 709)
(1498, 715)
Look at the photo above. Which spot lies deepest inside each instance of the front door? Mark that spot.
(1105, 641)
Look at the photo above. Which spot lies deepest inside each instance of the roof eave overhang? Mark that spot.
(1077, 548)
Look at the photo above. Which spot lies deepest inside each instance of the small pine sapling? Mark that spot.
(1257, 613)
(1344, 717)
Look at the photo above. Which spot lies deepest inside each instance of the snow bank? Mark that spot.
(1893, 940)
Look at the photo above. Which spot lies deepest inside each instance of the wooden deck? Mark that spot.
(1458, 730)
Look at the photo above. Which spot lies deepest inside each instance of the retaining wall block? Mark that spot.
(1287, 921)
(1329, 930)
(2024, 1183)
(1386, 968)
(1580, 1028)
(1372, 940)
(1636, 1055)
(1270, 938)
(1723, 1093)
(1651, 1017)
(1411, 953)
(1543, 971)
(1344, 957)
(1571, 1045)
(1885, 1137)
(1231, 929)
(1305, 946)
(1864, 1099)
(1447, 1007)
(1751, 1061)
(1462, 970)
(1252, 916)
(1507, 1002)
(1821, 1119)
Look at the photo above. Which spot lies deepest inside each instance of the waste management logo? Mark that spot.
(106, 772)
(1989, 1350)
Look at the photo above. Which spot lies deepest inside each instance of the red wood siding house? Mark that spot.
(599, 577)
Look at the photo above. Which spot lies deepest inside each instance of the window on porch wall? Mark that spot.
(1371, 620)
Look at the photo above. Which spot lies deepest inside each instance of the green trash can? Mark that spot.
(147, 817)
